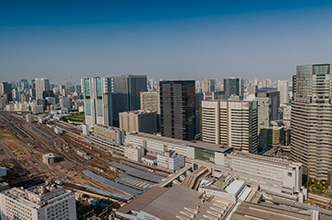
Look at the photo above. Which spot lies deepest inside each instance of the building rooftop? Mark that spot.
(249, 211)
(159, 138)
(150, 157)
(264, 158)
(37, 196)
(138, 112)
(49, 155)
(177, 202)
(209, 146)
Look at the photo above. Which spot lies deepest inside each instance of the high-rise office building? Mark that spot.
(111, 95)
(177, 109)
(230, 123)
(126, 94)
(78, 89)
(283, 89)
(252, 89)
(233, 86)
(41, 86)
(6, 90)
(97, 101)
(268, 105)
(311, 121)
(209, 85)
(68, 84)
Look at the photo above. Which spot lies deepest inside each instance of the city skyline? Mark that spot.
(186, 40)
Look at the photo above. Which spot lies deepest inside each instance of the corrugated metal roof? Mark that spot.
(135, 182)
(137, 173)
(112, 184)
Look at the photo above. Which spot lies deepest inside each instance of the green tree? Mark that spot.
(320, 181)
(329, 195)
(326, 185)
(313, 190)
(310, 180)
(308, 184)
(315, 181)
(321, 186)
(319, 192)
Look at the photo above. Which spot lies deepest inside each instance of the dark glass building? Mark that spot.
(233, 86)
(126, 96)
(177, 109)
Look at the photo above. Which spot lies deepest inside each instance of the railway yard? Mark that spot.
(93, 166)
(23, 144)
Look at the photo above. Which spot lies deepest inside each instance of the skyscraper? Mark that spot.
(41, 86)
(126, 94)
(268, 105)
(106, 97)
(6, 89)
(209, 85)
(283, 89)
(68, 84)
(177, 108)
(233, 86)
(231, 123)
(97, 101)
(311, 121)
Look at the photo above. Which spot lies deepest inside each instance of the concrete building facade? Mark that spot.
(311, 121)
(139, 121)
(42, 85)
(231, 123)
(268, 105)
(39, 202)
(283, 89)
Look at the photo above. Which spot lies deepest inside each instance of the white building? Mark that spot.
(38, 203)
(58, 130)
(156, 144)
(149, 160)
(283, 89)
(134, 153)
(170, 160)
(10, 107)
(48, 158)
(36, 109)
(272, 174)
(85, 129)
(41, 86)
(231, 123)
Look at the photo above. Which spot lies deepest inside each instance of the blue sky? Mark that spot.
(162, 39)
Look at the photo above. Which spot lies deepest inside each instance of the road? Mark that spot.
(18, 167)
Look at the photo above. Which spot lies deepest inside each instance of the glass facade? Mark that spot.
(204, 154)
(87, 87)
(99, 88)
(88, 107)
(100, 108)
